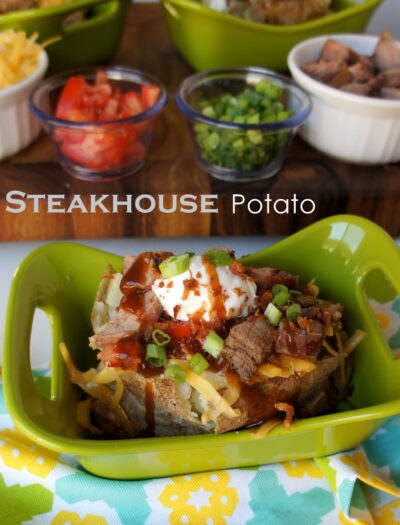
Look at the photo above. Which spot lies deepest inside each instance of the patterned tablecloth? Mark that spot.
(358, 486)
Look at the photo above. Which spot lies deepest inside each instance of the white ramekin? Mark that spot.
(353, 128)
(18, 128)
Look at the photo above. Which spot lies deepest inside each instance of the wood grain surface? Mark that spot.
(335, 187)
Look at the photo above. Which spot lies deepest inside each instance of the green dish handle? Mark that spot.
(55, 16)
(380, 253)
(37, 286)
(17, 353)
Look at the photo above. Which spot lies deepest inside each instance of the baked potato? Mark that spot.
(194, 344)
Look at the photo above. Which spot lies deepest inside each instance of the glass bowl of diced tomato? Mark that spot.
(100, 120)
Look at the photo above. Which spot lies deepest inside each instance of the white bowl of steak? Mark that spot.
(353, 118)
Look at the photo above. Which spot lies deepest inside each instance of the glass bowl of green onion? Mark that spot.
(242, 120)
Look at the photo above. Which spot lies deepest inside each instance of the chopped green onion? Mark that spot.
(293, 311)
(175, 265)
(273, 314)
(218, 257)
(156, 355)
(198, 364)
(176, 373)
(281, 299)
(160, 337)
(295, 292)
(213, 344)
(278, 288)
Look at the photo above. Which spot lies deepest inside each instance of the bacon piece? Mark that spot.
(387, 52)
(289, 414)
(333, 51)
(357, 89)
(391, 93)
(322, 70)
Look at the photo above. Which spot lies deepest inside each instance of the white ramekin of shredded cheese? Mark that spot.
(23, 64)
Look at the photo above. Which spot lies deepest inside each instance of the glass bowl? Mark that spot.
(235, 151)
(99, 150)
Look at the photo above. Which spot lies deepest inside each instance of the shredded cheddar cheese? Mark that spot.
(91, 383)
(83, 416)
(19, 56)
(288, 366)
(219, 404)
(264, 429)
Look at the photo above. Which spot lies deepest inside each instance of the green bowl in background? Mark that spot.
(62, 279)
(91, 41)
(208, 39)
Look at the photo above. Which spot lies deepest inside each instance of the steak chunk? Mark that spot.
(335, 52)
(304, 340)
(265, 278)
(248, 344)
(387, 52)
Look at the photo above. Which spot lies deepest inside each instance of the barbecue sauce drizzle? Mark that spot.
(218, 310)
(133, 286)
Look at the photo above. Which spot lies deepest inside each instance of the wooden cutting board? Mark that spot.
(334, 187)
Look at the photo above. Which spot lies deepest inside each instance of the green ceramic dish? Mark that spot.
(92, 41)
(208, 39)
(61, 279)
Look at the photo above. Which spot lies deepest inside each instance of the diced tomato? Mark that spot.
(109, 146)
(97, 97)
(110, 111)
(131, 103)
(150, 95)
(79, 154)
(71, 98)
(179, 330)
(101, 77)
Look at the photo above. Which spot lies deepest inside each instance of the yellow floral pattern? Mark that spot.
(359, 463)
(214, 500)
(386, 515)
(343, 520)
(19, 452)
(66, 517)
(301, 468)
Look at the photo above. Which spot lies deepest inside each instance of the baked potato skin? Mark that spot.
(310, 394)
(157, 406)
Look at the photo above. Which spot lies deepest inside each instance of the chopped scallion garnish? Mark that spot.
(273, 314)
(278, 288)
(176, 373)
(213, 344)
(295, 292)
(281, 299)
(218, 257)
(156, 355)
(198, 364)
(293, 311)
(160, 337)
(175, 265)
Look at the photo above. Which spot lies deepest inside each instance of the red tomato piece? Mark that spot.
(179, 330)
(150, 95)
(79, 154)
(131, 103)
(71, 98)
(97, 97)
(101, 77)
(110, 111)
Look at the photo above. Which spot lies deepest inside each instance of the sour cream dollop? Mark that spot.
(205, 291)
